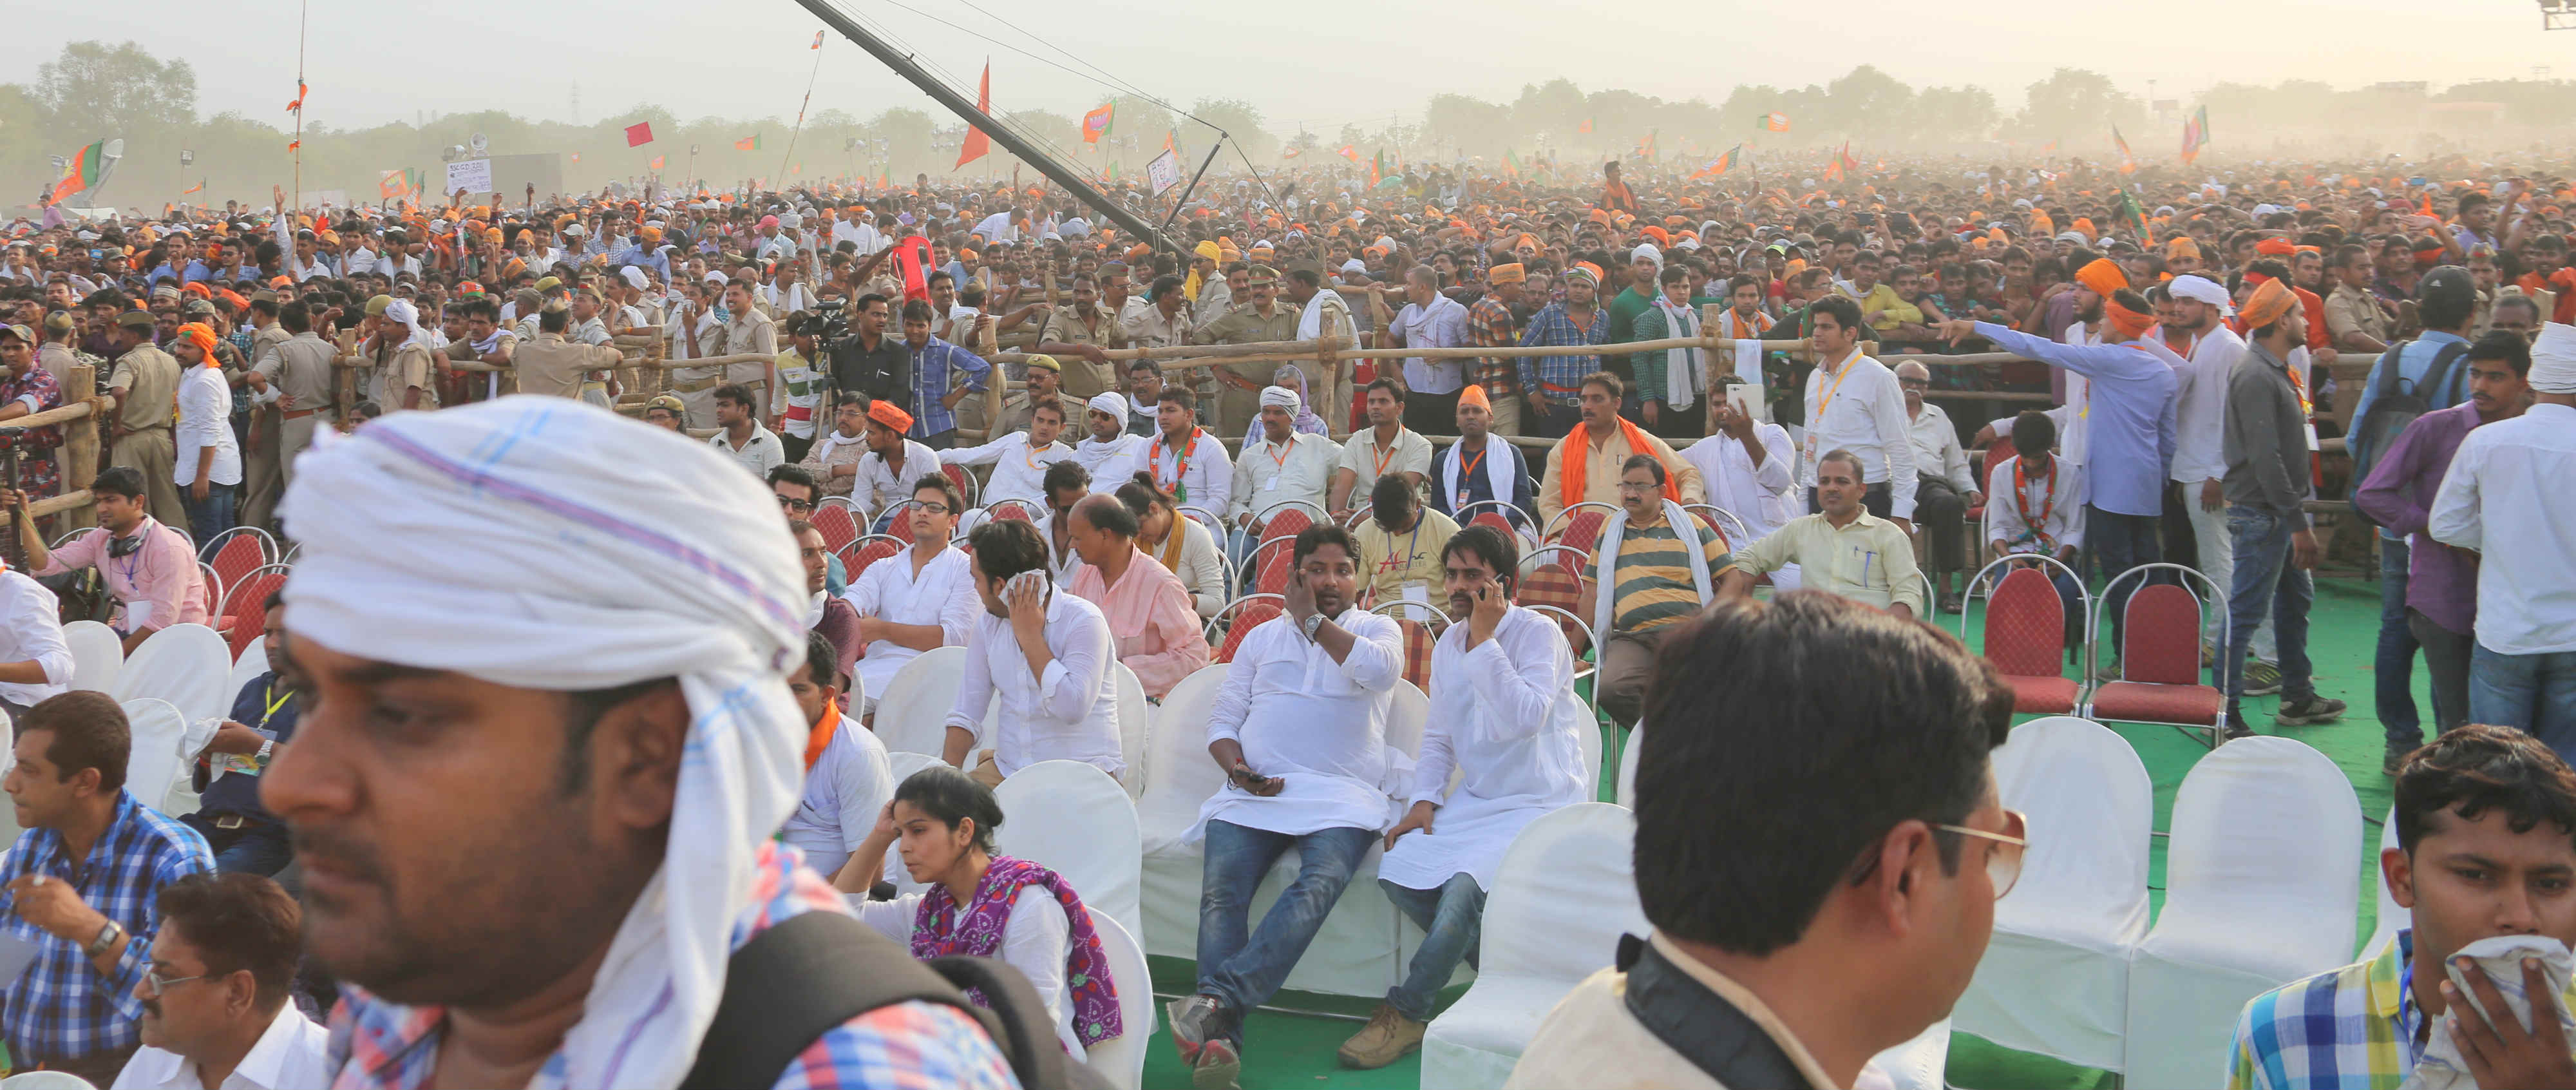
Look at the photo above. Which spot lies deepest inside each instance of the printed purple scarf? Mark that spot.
(939, 930)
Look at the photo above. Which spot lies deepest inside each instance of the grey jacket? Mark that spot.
(2267, 437)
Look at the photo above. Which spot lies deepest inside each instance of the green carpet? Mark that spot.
(1285, 1050)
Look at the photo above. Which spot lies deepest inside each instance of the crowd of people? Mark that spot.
(472, 903)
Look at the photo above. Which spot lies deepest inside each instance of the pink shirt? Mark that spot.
(1149, 612)
(163, 573)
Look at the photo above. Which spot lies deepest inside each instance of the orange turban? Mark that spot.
(2275, 247)
(1513, 273)
(2103, 276)
(2182, 247)
(2270, 300)
(889, 414)
(203, 336)
(1661, 237)
(1474, 394)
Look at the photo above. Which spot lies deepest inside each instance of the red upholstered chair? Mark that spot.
(1272, 560)
(1249, 611)
(2160, 679)
(1016, 510)
(1420, 639)
(2026, 640)
(1579, 526)
(964, 481)
(243, 612)
(236, 553)
(1556, 581)
(838, 521)
(857, 555)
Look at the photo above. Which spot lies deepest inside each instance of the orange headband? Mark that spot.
(2103, 276)
(2269, 301)
(2129, 324)
(204, 337)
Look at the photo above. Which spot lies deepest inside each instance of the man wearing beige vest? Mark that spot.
(294, 381)
(146, 386)
(553, 366)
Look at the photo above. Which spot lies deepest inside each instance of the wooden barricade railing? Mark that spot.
(79, 453)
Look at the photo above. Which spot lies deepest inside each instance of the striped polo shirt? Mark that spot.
(1653, 584)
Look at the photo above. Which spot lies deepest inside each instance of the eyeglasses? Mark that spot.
(2003, 864)
(162, 984)
(793, 504)
(933, 508)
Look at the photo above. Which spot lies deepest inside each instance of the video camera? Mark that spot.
(849, 365)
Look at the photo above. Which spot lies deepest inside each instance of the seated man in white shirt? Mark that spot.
(1944, 489)
(2035, 510)
(1019, 459)
(226, 1017)
(847, 776)
(887, 471)
(1504, 715)
(917, 599)
(1046, 653)
(35, 662)
(1300, 730)
(1749, 469)
(1186, 460)
(1109, 445)
(1284, 466)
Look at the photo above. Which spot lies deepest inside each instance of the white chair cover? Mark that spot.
(1918, 1064)
(2262, 883)
(153, 766)
(912, 712)
(246, 669)
(2055, 978)
(1071, 818)
(1627, 795)
(45, 1080)
(1135, 726)
(2391, 917)
(1121, 1059)
(97, 655)
(1561, 898)
(185, 664)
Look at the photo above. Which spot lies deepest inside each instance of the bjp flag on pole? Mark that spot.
(657, 163)
(1096, 123)
(748, 143)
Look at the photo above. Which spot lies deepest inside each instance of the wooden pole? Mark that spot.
(80, 448)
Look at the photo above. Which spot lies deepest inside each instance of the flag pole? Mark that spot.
(800, 107)
(301, 10)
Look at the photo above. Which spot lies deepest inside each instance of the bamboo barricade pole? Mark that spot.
(81, 446)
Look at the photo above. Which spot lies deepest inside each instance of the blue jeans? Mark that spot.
(256, 847)
(1452, 919)
(2266, 582)
(2393, 694)
(1242, 970)
(2121, 542)
(2532, 693)
(211, 516)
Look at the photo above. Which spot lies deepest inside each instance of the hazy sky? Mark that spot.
(1320, 62)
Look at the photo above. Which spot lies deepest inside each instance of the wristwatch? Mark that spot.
(107, 937)
(1314, 624)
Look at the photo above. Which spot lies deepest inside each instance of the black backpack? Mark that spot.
(793, 982)
(2391, 408)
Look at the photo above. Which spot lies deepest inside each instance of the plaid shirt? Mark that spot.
(2356, 1028)
(1489, 325)
(378, 1045)
(1559, 379)
(64, 1008)
(934, 368)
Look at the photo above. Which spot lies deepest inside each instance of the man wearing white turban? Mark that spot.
(2209, 356)
(533, 801)
(403, 360)
(1109, 443)
(2505, 498)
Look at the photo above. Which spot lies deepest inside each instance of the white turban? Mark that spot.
(2553, 359)
(2201, 289)
(675, 564)
(1281, 396)
(1107, 401)
(1646, 251)
(633, 276)
(402, 310)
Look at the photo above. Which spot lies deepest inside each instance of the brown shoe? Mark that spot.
(1388, 1037)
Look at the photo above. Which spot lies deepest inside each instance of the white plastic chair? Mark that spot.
(97, 655)
(2055, 978)
(2391, 916)
(246, 669)
(1627, 794)
(185, 664)
(153, 765)
(1121, 1059)
(45, 1080)
(1071, 818)
(904, 764)
(2262, 884)
(1538, 941)
(912, 712)
(1180, 779)
(1135, 728)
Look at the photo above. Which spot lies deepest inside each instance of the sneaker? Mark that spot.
(1388, 1037)
(2309, 712)
(1217, 1066)
(2109, 670)
(2236, 731)
(2262, 678)
(2397, 752)
(1196, 1022)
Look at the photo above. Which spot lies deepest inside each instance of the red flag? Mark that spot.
(639, 134)
(977, 144)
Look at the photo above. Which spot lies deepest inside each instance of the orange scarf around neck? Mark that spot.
(1571, 463)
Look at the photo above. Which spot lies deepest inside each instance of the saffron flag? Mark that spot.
(1096, 123)
(297, 106)
(81, 171)
(977, 144)
(1724, 162)
(2195, 134)
(1584, 126)
(200, 187)
(1843, 164)
(657, 163)
(1511, 164)
(748, 143)
(639, 134)
(2049, 149)
(1290, 153)
(1776, 121)
(2128, 163)
(818, 39)
(1646, 148)
(1350, 153)
(393, 184)
(1377, 168)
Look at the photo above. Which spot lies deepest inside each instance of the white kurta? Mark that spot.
(1019, 473)
(941, 594)
(1317, 725)
(1206, 483)
(1035, 940)
(879, 486)
(848, 785)
(1509, 722)
(1758, 494)
(1096, 455)
(1070, 714)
